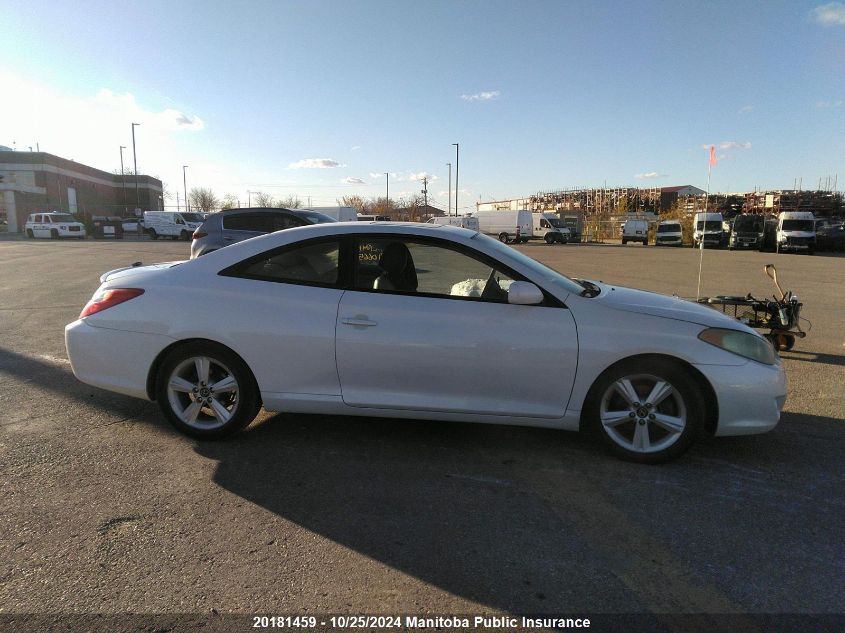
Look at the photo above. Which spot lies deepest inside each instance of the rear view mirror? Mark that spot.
(524, 293)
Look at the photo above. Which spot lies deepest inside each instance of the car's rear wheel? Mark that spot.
(153, 234)
(646, 411)
(206, 391)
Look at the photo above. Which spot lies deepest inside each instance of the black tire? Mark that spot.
(504, 238)
(624, 241)
(185, 236)
(684, 390)
(54, 234)
(153, 235)
(30, 234)
(246, 403)
(549, 238)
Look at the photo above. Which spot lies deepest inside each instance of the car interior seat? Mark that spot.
(398, 269)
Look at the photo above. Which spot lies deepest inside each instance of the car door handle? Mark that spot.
(359, 321)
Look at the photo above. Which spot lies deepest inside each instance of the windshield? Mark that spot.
(192, 217)
(668, 228)
(751, 223)
(710, 225)
(315, 218)
(545, 275)
(797, 225)
(556, 223)
(62, 217)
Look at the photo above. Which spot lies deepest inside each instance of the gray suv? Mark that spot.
(236, 225)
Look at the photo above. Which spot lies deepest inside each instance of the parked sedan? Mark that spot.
(831, 237)
(349, 318)
(235, 225)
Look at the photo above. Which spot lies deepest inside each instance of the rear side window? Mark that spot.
(259, 222)
(313, 264)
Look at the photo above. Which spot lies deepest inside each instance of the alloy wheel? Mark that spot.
(203, 393)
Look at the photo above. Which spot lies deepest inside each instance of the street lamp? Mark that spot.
(450, 188)
(135, 161)
(387, 188)
(457, 169)
(185, 185)
(122, 180)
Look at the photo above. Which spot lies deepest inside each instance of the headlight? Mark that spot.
(741, 343)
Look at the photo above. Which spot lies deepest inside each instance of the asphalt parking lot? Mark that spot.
(108, 510)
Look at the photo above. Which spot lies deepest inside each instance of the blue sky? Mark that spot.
(540, 95)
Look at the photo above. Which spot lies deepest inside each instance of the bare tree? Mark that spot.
(263, 199)
(203, 199)
(230, 201)
(356, 202)
(289, 202)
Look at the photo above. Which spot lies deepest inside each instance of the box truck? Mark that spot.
(507, 226)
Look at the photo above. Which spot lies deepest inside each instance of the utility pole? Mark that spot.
(425, 190)
(178, 205)
(386, 187)
(450, 188)
(185, 186)
(135, 162)
(122, 180)
(457, 173)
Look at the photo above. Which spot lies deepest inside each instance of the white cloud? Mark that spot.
(423, 174)
(829, 104)
(356, 147)
(746, 109)
(349, 180)
(734, 145)
(487, 95)
(831, 14)
(315, 163)
(649, 175)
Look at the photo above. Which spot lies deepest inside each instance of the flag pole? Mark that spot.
(701, 243)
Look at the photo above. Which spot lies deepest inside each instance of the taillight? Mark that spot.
(198, 234)
(109, 298)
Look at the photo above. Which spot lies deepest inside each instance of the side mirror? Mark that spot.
(524, 293)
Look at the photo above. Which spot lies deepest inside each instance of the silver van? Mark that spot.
(236, 225)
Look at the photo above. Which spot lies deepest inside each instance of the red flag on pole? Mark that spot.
(712, 155)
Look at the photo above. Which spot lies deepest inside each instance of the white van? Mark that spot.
(796, 231)
(707, 230)
(508, 226)
(363, 217)
(173, 224)
(635, 231)
(463, 221)
(341, 214)
(669, 233)
(549, 227)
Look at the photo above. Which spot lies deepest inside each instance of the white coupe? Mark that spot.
(421, 321)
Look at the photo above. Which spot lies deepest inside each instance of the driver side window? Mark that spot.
(394, 264)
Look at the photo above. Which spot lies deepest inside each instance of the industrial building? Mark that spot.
(39, 181)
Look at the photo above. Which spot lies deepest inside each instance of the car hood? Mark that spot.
(131, 271)
(664, 306)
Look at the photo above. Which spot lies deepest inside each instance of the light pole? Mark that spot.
(122, 180)
(249, 198)
(387, 188)
(457, 170)
(185, 185)
(450, 188)
(135, 162)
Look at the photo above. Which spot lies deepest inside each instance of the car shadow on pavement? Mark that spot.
(814, 357)
(55, 376)
(531, 520)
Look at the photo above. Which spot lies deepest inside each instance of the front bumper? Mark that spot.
(115, 360)
(750, 396)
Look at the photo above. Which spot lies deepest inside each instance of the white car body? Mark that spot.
(463, 221)
(707, 229)
(635, 231)
(341, 351)
(53, 224)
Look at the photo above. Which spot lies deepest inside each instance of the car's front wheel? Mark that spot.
(646, 411)
(30, 234)
(504, 238)
(206, 391)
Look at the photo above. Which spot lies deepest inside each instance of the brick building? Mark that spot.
(38, 181)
